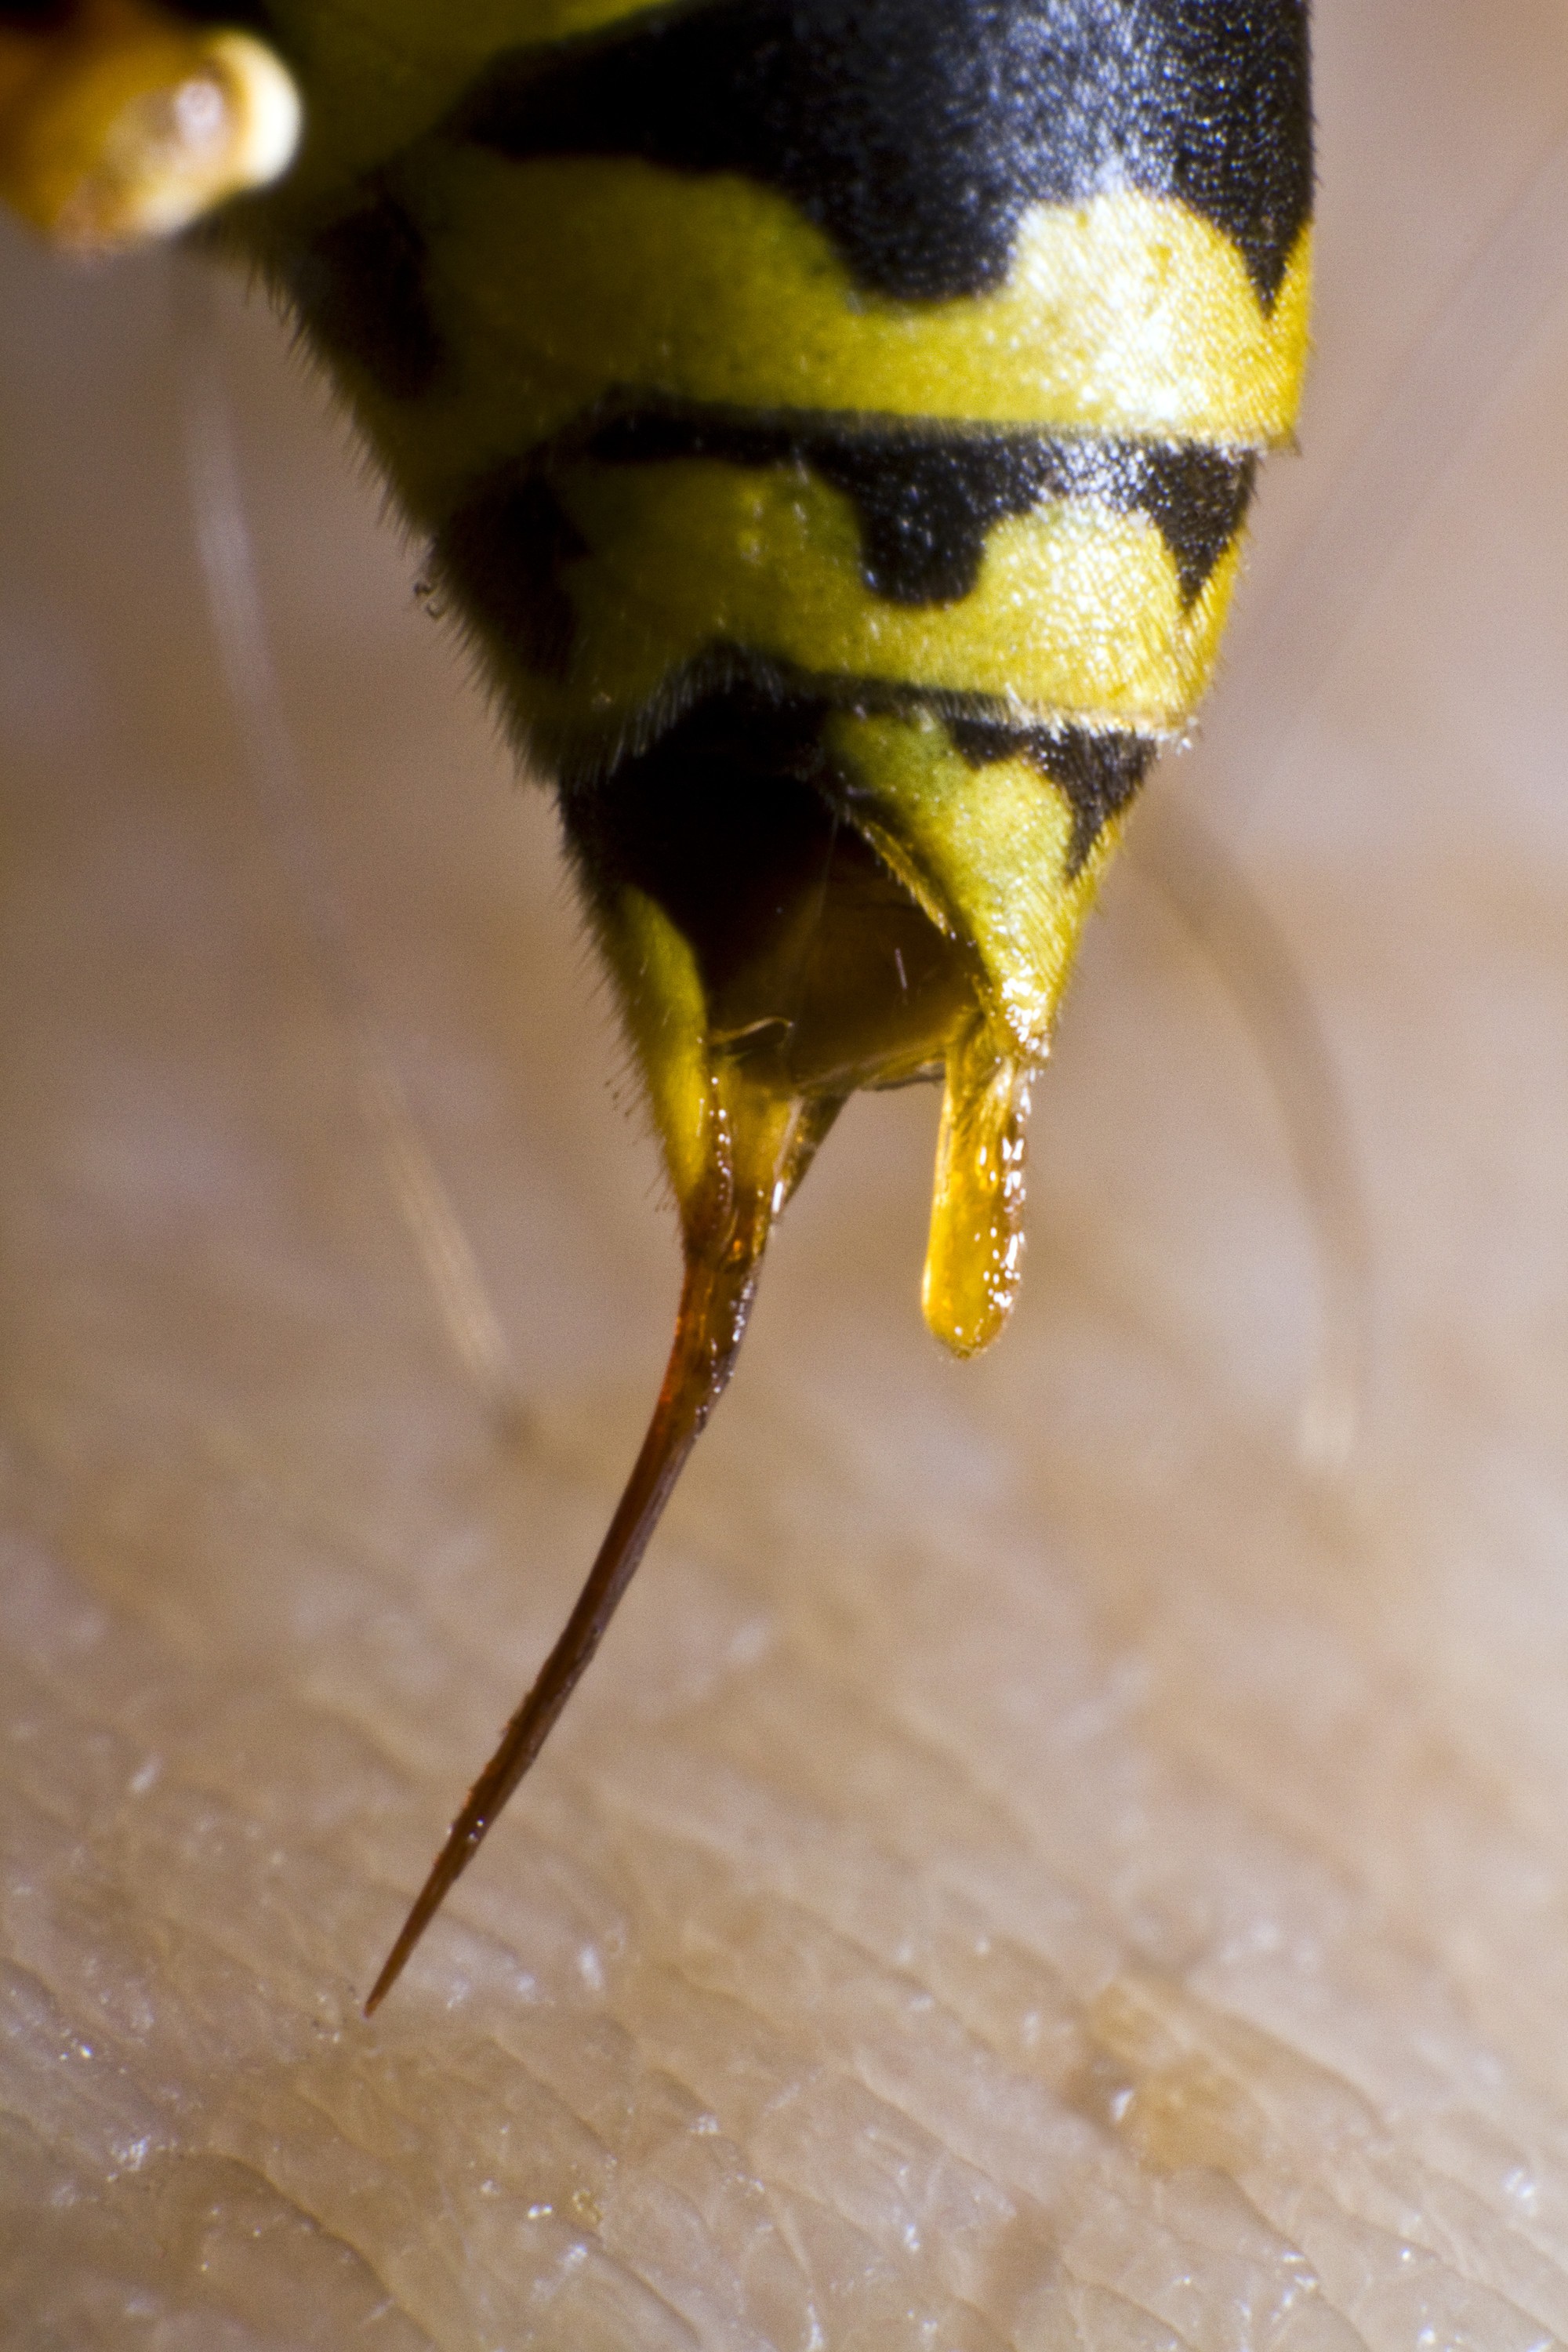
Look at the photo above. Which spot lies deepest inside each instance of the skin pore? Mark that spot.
(1031, 1856)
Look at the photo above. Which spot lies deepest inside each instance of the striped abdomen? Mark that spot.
(835, 420)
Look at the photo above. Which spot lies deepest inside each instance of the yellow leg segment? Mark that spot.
(124, 124)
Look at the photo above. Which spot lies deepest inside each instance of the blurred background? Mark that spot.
(1044, 1858)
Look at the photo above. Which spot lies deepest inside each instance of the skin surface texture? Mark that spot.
(1043, 1860)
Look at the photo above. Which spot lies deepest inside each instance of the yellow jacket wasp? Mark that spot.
(834, 424)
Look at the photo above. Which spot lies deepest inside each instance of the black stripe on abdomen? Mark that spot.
(925, 505)
(748, 749)
(1098, 773)
(361, 286)
(754, 827)
(914, 133)
(926, 499)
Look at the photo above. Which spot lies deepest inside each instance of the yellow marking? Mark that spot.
(991, 847)
(123, 124)
(555, 282)
(666, 1016)
(726, 1131)
(543, 21)
(1076, 610)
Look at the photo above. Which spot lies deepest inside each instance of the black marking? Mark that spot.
(927, 501)
(242, 15)
(360, 285)
(721, 821)
(1098, 773)
(501, 553)
(34, 15)
(808, 949)
(915, 132)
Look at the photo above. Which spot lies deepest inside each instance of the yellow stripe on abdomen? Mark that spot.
(1078, 612)
(553, 285)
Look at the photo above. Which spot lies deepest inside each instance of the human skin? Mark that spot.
(1036, 1863)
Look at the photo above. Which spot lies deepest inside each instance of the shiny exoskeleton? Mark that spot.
(833, 421)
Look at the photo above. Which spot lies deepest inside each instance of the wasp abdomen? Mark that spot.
(860, 402)
(835, 421)
(915, 133)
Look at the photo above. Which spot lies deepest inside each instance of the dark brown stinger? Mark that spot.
(721, 1280)
(821, 975)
